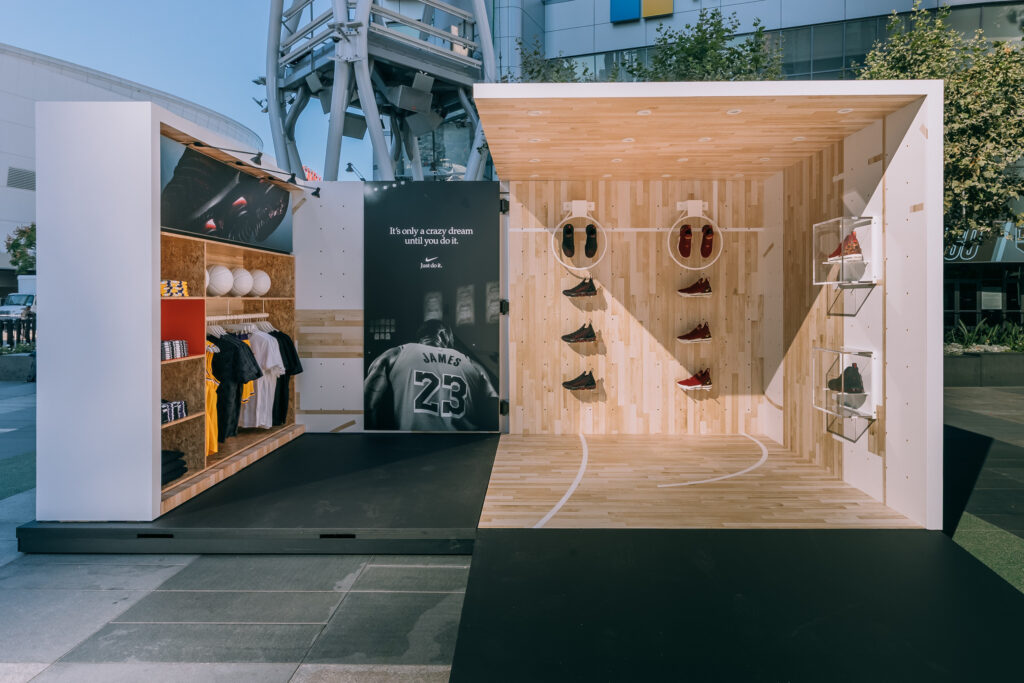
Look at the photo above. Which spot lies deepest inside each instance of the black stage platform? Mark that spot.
(322, 493)
(734, 605)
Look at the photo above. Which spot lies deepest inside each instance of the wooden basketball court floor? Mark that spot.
(677, 482)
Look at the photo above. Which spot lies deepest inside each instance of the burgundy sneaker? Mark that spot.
(701, 333)
(698, 382)
(702, 287)
(708, 236)
(685, 241)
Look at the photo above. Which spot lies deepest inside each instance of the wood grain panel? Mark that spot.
(637, 314)
(620, 486)
(811, 196)
(329, 333)
(684, 136)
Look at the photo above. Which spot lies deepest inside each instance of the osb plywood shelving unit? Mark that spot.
(186, 258)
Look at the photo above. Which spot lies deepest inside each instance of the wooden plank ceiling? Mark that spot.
(634, 138)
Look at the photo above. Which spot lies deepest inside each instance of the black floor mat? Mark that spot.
(423, 489)
(733, 605)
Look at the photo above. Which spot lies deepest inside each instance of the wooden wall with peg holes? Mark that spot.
(637, 314)
(813, 193)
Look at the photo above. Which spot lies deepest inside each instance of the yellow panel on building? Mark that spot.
(657, 8)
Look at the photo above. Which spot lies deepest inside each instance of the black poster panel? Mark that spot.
(431, 300)
(203, 196)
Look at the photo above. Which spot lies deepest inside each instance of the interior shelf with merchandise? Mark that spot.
(188, 258)
(845, 252)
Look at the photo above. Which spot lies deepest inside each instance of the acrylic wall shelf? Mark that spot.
(845, 252)
(846, 389)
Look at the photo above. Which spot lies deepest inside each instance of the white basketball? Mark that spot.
(220, 281)
(243, 282)
(260, 283)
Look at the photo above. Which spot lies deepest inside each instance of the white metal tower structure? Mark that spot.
(409, 62)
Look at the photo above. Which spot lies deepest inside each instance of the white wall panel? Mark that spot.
(571, 14)
(98, 427)
(913, 311)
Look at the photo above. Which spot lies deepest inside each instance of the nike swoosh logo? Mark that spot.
(432, 258)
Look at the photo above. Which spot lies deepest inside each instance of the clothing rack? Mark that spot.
(237, 316)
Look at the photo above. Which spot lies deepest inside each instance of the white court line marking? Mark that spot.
(764, 458)
(572, 487)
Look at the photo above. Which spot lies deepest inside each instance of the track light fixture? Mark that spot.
(352, 169)
(257, 157)
(316, 193)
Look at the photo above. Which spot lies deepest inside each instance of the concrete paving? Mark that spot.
(265, 619)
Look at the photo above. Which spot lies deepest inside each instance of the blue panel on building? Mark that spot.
(624, 10)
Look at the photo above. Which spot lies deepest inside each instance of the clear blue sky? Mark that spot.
(206, 51)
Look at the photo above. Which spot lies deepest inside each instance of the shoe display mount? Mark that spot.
(703, 246)
(579, 242)
(846, 389)
(845, 252)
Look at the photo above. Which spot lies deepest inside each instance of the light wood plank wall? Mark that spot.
(637, 313)
(813, 191)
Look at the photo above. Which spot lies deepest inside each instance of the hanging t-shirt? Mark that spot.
(211, 402)
(258, 412)
(292, 366)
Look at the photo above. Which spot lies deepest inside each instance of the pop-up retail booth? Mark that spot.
(766, 314)
(696, 305)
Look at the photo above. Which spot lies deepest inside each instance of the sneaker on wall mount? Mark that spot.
(685, 240)
(850, 382)
(590, 246)
(702, 287)
(848, 250)
(701, 333)
(698, 382)
(584, 288)
(585, 381)
(706, 241)
(568, 243)
(584, 334)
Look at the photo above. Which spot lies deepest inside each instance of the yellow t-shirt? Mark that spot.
(211, 402)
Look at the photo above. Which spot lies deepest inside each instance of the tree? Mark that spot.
(21, 247)
(538, 69)
(707, 51)
(984, 115)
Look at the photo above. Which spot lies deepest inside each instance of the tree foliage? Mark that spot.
(538, 69)
(984, 114)
(707, 51)
(21, 247)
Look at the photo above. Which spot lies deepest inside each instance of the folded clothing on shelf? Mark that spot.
(173, 288)
(172, 466)
(173, 348)
(167, 456)
(172, 410)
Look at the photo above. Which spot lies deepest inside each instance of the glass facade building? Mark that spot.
(832, 50)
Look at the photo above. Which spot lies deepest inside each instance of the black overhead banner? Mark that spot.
(206, 197)
(431, 300)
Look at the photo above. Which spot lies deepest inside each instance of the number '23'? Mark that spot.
(452, 389)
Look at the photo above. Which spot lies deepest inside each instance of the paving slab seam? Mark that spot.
(330, 616)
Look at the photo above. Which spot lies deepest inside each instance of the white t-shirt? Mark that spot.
(259, 410)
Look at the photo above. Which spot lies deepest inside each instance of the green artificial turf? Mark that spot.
(17, 474)
(999, 550)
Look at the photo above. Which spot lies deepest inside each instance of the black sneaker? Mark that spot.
(584, 288)
(850, 382)
(584, 381)
(590, 248)
(584, 334)
(568, 244)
